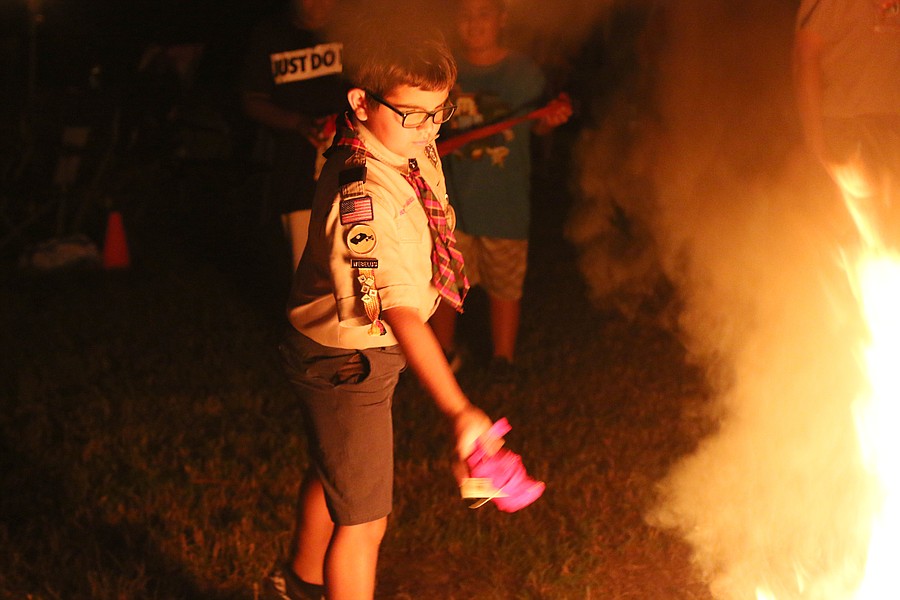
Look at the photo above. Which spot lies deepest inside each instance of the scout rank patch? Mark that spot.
(355, 210)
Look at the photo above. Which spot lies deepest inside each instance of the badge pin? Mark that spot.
(432, 154)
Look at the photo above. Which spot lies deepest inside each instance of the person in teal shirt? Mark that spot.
(489, 179)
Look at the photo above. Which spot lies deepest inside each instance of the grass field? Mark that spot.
(150, 447)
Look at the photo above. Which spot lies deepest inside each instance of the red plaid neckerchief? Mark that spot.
(448, 273)
(345, 135)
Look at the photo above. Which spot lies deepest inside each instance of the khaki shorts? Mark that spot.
(496, 264)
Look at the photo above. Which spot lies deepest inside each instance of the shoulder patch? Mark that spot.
(361, 239)
(356, 210)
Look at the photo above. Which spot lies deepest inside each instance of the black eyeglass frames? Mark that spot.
(416, 118)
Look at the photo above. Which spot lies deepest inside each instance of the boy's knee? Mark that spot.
(374, 530)
(370, 533)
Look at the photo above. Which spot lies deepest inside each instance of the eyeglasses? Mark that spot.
(417, 118)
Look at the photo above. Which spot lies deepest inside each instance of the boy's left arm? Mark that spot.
(557, 112)
(427, 360)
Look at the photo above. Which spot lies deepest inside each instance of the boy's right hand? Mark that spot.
(470, 424)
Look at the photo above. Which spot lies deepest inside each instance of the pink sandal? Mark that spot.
(500, 477)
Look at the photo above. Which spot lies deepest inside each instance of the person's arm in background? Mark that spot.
(558, 112)
(808, 90)
(260, 108)
(849, 173)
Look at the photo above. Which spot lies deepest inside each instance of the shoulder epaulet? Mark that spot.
(356, 205)
(353, 181)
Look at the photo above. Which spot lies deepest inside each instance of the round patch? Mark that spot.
(361, 239)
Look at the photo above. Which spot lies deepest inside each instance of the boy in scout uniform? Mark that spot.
(380, 258)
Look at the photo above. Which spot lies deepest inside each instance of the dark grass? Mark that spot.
(150, 447)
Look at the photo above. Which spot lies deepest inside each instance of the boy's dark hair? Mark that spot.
(380, 55)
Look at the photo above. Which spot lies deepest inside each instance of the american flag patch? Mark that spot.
(356, 210)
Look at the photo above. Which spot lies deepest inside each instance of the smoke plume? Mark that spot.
(702, 162)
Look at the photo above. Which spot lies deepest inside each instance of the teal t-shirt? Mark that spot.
(489, 179)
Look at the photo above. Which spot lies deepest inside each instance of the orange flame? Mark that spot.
(874, 274)
(873, 271)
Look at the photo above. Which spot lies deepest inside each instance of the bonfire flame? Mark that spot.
(875, 276)
(873, 271)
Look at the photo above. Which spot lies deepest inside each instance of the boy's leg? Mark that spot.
(314, 530)
(349, 554)
(352, 559)
(504, 326)
(504, 263)
(347, 411)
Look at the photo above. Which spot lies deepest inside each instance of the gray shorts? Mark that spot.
(346, 397)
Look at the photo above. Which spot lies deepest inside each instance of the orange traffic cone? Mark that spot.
(115, 247)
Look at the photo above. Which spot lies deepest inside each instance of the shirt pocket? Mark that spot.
(412, 224)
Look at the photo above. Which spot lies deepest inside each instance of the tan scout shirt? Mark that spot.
(326, 301)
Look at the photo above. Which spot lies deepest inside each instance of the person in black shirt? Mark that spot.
(291, 84)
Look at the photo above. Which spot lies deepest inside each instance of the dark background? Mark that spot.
(73, 36)
(159, 140)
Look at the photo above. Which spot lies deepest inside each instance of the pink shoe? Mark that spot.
(500, 477)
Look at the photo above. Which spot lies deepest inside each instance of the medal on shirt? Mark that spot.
(361, 241)
(371, 300)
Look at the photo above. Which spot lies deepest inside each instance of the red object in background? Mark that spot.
(451, 144)
(115, 246)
